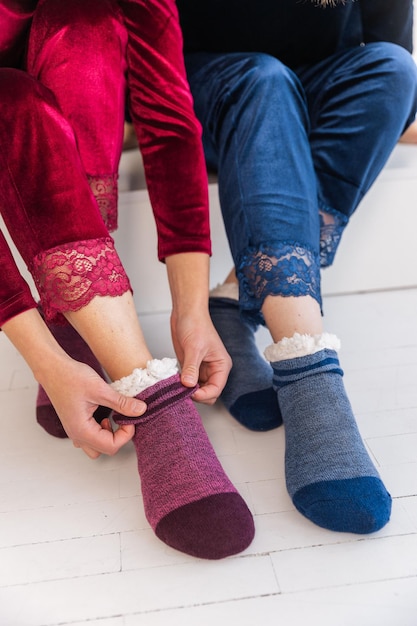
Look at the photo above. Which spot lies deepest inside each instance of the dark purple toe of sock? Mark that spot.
(212, 528)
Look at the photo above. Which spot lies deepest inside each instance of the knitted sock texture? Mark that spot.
(248, 394)
(330, 476)
(189, 501)
(75, 346)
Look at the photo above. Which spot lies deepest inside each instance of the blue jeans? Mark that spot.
(295, 153)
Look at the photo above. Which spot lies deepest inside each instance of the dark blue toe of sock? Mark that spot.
(355, 505)
(257, 410)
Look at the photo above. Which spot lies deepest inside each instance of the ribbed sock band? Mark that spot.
(248, 394)
(189, 501)
(330, 476)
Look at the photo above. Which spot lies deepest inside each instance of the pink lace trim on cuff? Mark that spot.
(104, 189)
(69, 276)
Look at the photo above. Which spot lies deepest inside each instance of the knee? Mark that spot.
(397, 69)
(260, 78)
(23, 97)
(396, 83)
(19, 91)
(264, 71)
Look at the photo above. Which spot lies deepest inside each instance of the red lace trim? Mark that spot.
(69, 276)
(104, 189)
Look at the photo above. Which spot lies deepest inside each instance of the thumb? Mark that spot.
(131, 407)
(189, 374)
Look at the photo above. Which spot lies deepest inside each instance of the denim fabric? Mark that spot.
(295, 153)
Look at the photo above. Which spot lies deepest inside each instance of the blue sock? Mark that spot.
(330, 476)
(248, 395)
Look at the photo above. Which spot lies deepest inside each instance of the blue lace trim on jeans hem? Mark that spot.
(284, 269)
(332, 225)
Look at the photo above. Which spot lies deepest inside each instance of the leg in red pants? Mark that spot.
(15, 294)
(48, 206)
(78, 49)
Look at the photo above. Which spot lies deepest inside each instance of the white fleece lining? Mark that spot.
(300, 345)
(142, 378)
(226, 290)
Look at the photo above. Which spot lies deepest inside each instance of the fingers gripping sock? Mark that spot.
(330, 476)
(75, 346)
(189, 502)
(248, 394)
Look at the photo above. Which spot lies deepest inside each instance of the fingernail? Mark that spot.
(189, 379)
(138, 406)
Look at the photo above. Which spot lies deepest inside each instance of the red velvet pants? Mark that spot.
(61, 128)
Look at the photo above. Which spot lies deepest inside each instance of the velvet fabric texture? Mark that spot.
(299, 117)
(15, 16)
(38, 203)
(78, 51)
(15, 293)
(62, 108)
(169, 134)
(49, 147)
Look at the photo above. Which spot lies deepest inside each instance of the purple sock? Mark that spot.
(75, 346)
(189, 501)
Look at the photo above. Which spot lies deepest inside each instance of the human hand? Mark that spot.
(201, 354)
(76, 391)
(74, 388)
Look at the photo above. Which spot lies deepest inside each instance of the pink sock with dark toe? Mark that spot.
(189, 501)
(75, 346)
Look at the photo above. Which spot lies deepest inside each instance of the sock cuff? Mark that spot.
(142, 378)
(226, 290)
(301, 345)
(294, 370)
(167, 392)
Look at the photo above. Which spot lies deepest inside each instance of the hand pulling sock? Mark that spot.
(330, 476)
(248, 394)
(75, 346)
(189, 502)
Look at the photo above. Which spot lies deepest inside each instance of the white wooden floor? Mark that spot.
(76, 549)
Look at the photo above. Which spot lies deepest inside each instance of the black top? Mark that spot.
(295, 31)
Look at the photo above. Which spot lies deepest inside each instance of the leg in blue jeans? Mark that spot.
(295, 153)
(250, 200)
(287, 144)
(255, 130)
(356, 118)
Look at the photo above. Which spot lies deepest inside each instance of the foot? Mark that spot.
(330, 476)
(248, 395)
(189, 501)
